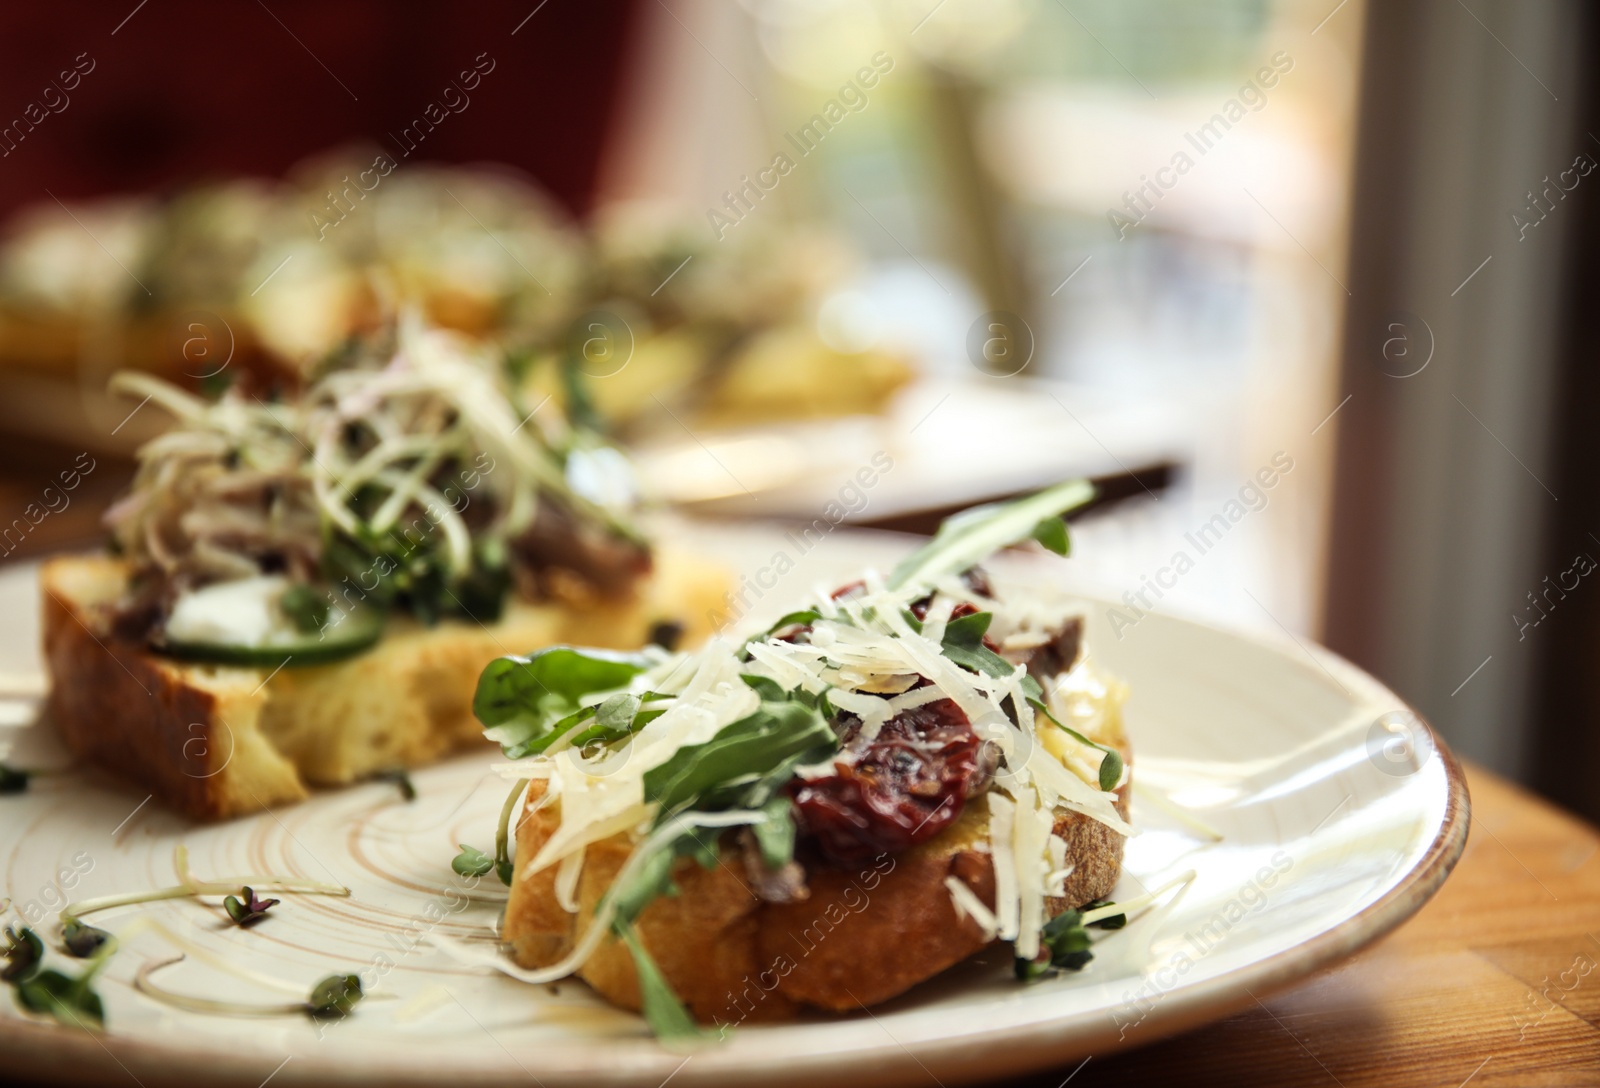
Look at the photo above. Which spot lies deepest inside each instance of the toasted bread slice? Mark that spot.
(861, 937)
(216, 741)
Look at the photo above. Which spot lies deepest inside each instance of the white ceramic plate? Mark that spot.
(1334, 831)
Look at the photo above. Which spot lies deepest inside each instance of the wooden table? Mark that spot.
(1495, 982)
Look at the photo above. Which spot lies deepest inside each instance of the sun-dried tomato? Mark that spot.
(902, 787)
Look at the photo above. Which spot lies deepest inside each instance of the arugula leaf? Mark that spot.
(804, 616)
(703, 850)
(666, 1015)
(541, 743)
(748, 747)
(775, 834)
(963, 644)
(744, 765)
(525, 703)
(973, 535)
(654, 879)
(616, 714)
(1110, 763)
(1052, 533)
(599, 732)
(765, 686)
(471, 861)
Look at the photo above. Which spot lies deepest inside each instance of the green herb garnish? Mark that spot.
(246, 909)
(662, 1010)
(973, 535)
(775, 835)
(72, 1001)
(528, 703)
(334, 997)
(749, 747)
(471, 861)
(577, 697)
(963, 644)
(1110, 762)
(22, 952)
(81, 939)
(502, 840)
(1052, 533)
(69, 1000)
(792, 619)
(1064, 945)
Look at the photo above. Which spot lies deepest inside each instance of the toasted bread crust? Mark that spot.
(215, 741)
(861, 937)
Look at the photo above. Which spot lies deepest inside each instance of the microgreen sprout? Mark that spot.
(247, 909)
(22, 952)
(81, 939)
(332, 997)
(190, 887)
(471, 861)
(401, 780)
(44, 990)
(1064, 942)
(502, 840)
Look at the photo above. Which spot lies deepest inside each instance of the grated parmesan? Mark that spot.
(968, 905)
(1007, 905)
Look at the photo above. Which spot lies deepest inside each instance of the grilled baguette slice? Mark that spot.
(216, 741)
(862, 936)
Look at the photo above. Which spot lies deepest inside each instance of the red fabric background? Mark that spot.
(189, 89)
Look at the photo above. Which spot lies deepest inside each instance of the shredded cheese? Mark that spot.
(933, 627)
(968, 905)
(1059, 869)
(1028, 832)
(1007, 904)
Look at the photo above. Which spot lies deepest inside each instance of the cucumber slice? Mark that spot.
(244, 623)
(355, 633)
